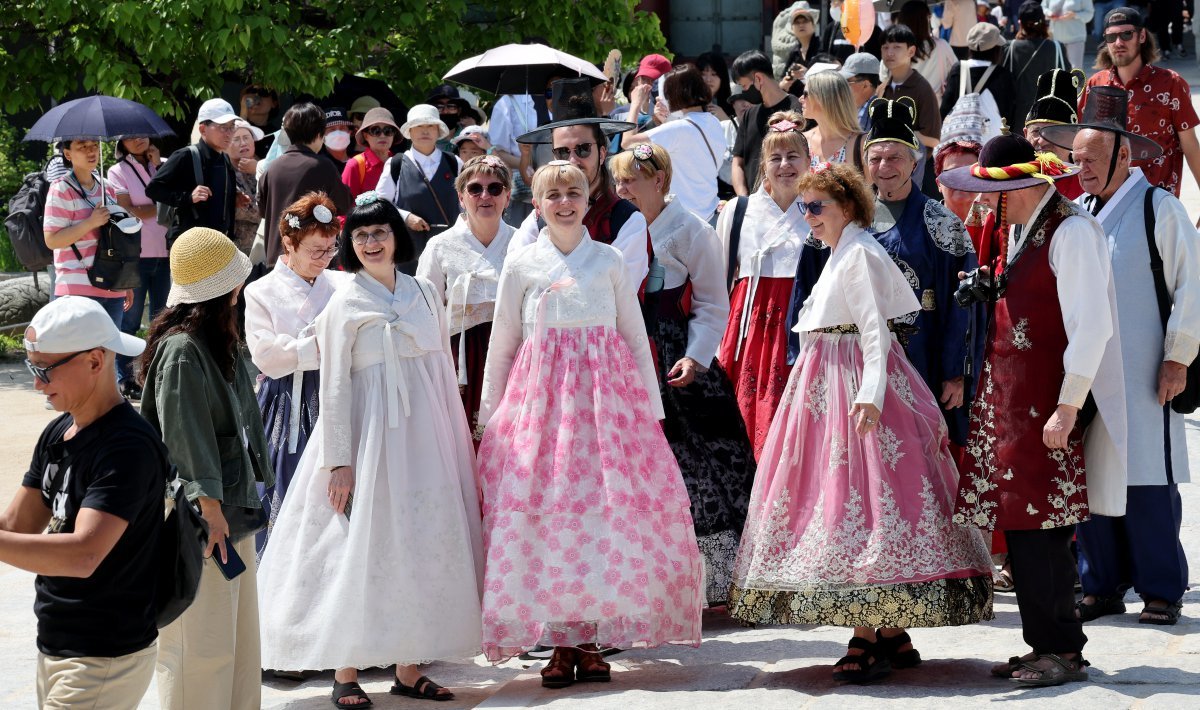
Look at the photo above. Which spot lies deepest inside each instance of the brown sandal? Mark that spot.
(590, 667)
(560, 669)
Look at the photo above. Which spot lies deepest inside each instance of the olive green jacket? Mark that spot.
(212, 428)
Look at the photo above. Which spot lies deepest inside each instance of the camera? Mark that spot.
(978, 287)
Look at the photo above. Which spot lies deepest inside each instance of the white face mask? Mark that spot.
(337, 140)
(836, 13)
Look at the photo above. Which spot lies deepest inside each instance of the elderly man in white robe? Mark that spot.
(1159, 324)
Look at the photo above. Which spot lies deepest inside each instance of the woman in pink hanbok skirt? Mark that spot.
(587, 531)
(850, 517)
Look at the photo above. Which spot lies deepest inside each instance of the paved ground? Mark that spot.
(1134, 666)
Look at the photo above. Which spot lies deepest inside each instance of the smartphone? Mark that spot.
(234, 566)
(349, 505)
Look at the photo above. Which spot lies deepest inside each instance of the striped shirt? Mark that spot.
(65, 207)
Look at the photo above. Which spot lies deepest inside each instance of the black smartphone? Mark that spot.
(234, 566)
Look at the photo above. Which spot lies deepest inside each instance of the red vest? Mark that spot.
(1012, 481)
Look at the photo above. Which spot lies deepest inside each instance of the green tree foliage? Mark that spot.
(170, 54)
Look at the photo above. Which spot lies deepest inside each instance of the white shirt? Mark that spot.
(694, 168)
(687, 247)
(428, 164)
(630, 241)
(1082, 268)
(861, 285)
(512, 116)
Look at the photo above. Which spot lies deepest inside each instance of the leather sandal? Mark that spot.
(423, 689)
(871, 665)
(349, 691)
(1103, 606)
(1060, 670)
(590, 667)
(560, 669)
(1168, 615)
(889, 649)
(1006, 669)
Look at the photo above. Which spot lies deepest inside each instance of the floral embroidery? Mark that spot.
(818, 396)
(980, 509)
(837, 452)
(901, 386)
(889, 447)
(1070, 503)
(1020, 336)
(945, 229)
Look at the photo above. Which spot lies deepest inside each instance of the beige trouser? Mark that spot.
(208, 658)
(93, 682)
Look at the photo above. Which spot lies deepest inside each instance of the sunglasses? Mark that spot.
(378, 131)
(816, 207)
(43, 373)
(583, 150)
(494, 189)
(1126, 36)
(379, 236)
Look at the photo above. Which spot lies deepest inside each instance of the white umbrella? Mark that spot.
(520, 69)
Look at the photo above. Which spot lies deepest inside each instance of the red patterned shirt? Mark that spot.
(1160, 108)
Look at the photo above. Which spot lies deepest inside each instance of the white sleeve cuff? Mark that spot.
(1074, 390)
(1180, 347)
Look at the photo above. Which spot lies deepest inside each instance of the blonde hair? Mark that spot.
(790, 139)
(832, 92)
(483, 165)
(627, 166)
(557, 172)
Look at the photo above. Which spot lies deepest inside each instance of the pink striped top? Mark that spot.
(66, 207)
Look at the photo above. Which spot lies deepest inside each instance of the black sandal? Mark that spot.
(1061, 670)
(1170, 611)
(889, 648)
(423, 689)
(1103, 606)
(1006, 669)
(871, 665)
(345, 691)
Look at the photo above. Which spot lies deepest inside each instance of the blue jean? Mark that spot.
(156, 283)
(115, 308)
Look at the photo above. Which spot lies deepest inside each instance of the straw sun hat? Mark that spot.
(205, 264)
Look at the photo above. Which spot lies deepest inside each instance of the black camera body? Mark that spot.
(979, 287)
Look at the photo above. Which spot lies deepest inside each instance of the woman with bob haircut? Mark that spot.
(376, 555)
(850, 521)
(588, 535)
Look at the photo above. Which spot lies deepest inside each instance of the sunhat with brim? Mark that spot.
(363, 104)
(205, 264)
(255, 131)
(376, 117)
(804, 7)
(572, 105)
(1008, 163)
(1105, 110)
(424, 115)
(72, 324)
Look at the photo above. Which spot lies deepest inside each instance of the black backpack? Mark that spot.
(24, 222)
(180, 554)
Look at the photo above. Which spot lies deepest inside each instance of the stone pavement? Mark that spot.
(1134, 666)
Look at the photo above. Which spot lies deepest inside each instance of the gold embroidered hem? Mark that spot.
(939, 602)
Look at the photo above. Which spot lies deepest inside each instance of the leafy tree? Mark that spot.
(171, 54)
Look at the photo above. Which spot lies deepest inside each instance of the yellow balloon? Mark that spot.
(858, 21)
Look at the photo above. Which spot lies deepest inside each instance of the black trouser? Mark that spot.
(1043, 571)
(1167, 19)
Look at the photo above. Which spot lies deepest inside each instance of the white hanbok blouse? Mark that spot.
(540, 288)
(630, 242)
(861, 285)
(687, 247)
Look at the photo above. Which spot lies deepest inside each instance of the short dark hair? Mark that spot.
(379, 211)
(900, 34)
(750, 62)
(994, 55)
(684, 87)
(873, 78)
(304, 123)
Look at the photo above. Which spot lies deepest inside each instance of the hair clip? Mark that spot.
(367, 198)
(322, 214)
(558, 163)
(643, 151)
(783, 126)
(492, 162)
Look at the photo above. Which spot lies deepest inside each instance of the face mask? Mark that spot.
(752, 95)
(337, 140)
(836, 13)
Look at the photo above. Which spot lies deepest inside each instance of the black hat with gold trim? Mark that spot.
(1057, 97)
(893, 121)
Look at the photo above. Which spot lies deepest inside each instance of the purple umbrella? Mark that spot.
(98, 118)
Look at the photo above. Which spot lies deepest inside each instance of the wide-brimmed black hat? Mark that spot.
(1105, 110)
(893, 121)
(572, 105)
(448, 91)
(1007, 162)
(1057, 97)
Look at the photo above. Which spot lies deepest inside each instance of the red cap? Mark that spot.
(653, 66)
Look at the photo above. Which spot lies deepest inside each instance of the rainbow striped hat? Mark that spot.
(1008, 163)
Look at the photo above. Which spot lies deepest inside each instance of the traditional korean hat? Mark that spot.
(893, 121)
(572, 105)
(1105, 110)
(1007, 163)
(1058, 95)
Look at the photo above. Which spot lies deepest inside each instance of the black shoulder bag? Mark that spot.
(115, 265)
(1188, 400)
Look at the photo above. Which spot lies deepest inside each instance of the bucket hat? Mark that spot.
(423, 115)
(376, 117)
(205, 264)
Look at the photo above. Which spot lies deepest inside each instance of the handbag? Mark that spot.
(1188, 400)
(115, 264)
(180, 554)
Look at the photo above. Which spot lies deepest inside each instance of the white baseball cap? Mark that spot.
(467, 133)
(71, 324)
(217, 111)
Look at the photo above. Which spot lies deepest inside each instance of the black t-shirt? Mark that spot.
(748, 144)
(117, 465)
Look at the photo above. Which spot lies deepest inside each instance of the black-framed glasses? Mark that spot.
(1126, 36)
(816, 206)
(379, 236)
(379, 131)
(583, 150)
(494, 189)
(43, 373)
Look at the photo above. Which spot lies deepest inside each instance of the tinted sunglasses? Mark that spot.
(494, 189)
(582, 150)
(378, 131)
(816, 206)
(43, 373)
(1126, 36)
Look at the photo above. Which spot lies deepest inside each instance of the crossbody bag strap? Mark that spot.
(74, 184)
(708, 145)
(983, 79)
(1029, 61)
(1156, 262)
(964, 79)
(735, 238)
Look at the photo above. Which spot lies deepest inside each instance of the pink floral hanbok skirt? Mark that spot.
(587, 531)
(856, 531)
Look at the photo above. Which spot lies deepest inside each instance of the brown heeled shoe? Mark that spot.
(590, 666)
(560, 669)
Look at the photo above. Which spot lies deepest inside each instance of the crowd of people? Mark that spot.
(857, 341)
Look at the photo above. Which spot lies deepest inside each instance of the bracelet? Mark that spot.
(336, 468)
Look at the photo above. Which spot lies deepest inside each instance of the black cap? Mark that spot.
(1031, 12)
(336, 114)
(1123, 16)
